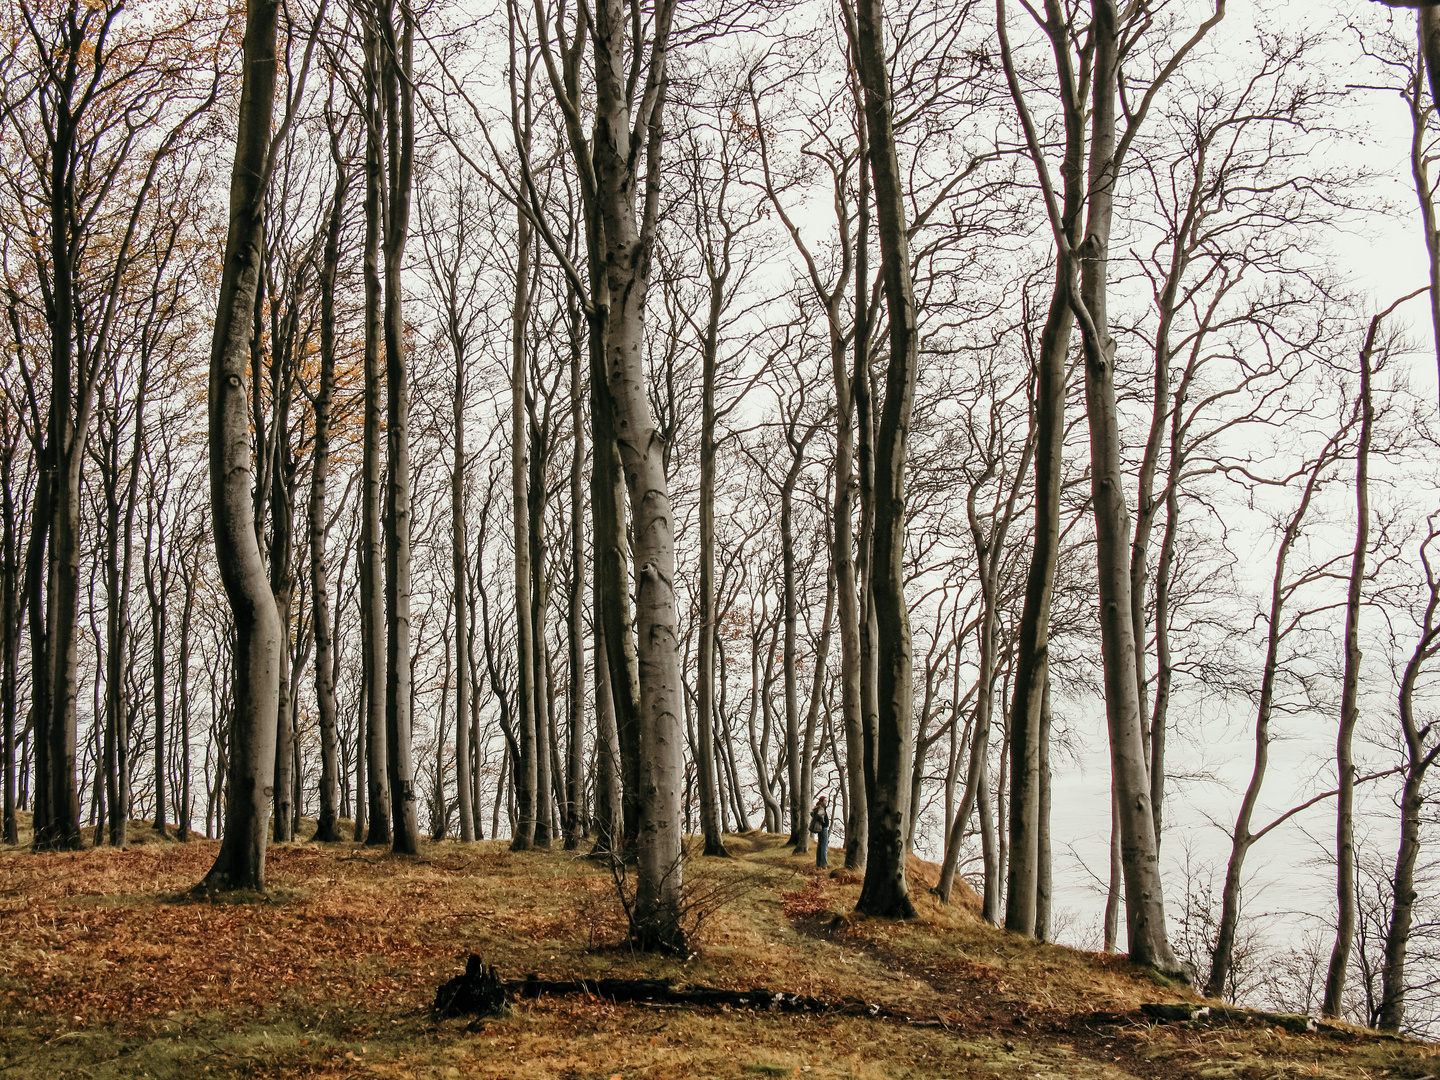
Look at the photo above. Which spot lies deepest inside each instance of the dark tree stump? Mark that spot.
(479, 992)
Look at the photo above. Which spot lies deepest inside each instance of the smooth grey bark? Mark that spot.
(372, 541)
(397, 93)
(625, 258)
(884, 892)
(858, 824)
(240, 863)
(1044, 884)
(1149, 942)
(1144, 892)
(630, 54)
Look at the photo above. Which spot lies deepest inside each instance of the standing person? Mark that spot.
(820, 826)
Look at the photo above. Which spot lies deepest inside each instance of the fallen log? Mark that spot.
(663, 991)
(481, 992)
(1225, 1014)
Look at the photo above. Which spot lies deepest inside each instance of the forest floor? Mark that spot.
(108, 968)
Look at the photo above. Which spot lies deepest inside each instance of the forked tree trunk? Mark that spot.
(1144, 892)
(626, 265)
(240, 863)
(1241, 837)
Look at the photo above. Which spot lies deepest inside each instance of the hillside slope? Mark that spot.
(108, 969)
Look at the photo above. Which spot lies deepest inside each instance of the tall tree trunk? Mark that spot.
(1242, 839)
(1349, 702)
(884, 892)
(372, 544)
(327, 824)
(10, 603)
(398, 94)
(182, 813)
(842, 557)
(464, 780)
(626, 256)
(526, 770)
(544, 689)
(1418, 761)
(1032, 664)
(240, 863)
(705, 674)
(157, 668)
(858, 825)
(575, 698)
(799, 810)
(282, 584)
(1144, 891)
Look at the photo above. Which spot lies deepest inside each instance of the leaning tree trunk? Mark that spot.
(1241, 837)
(1403, 894)
(1349, 704)
(1032, 667)
(884, 891)
(240, 863)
